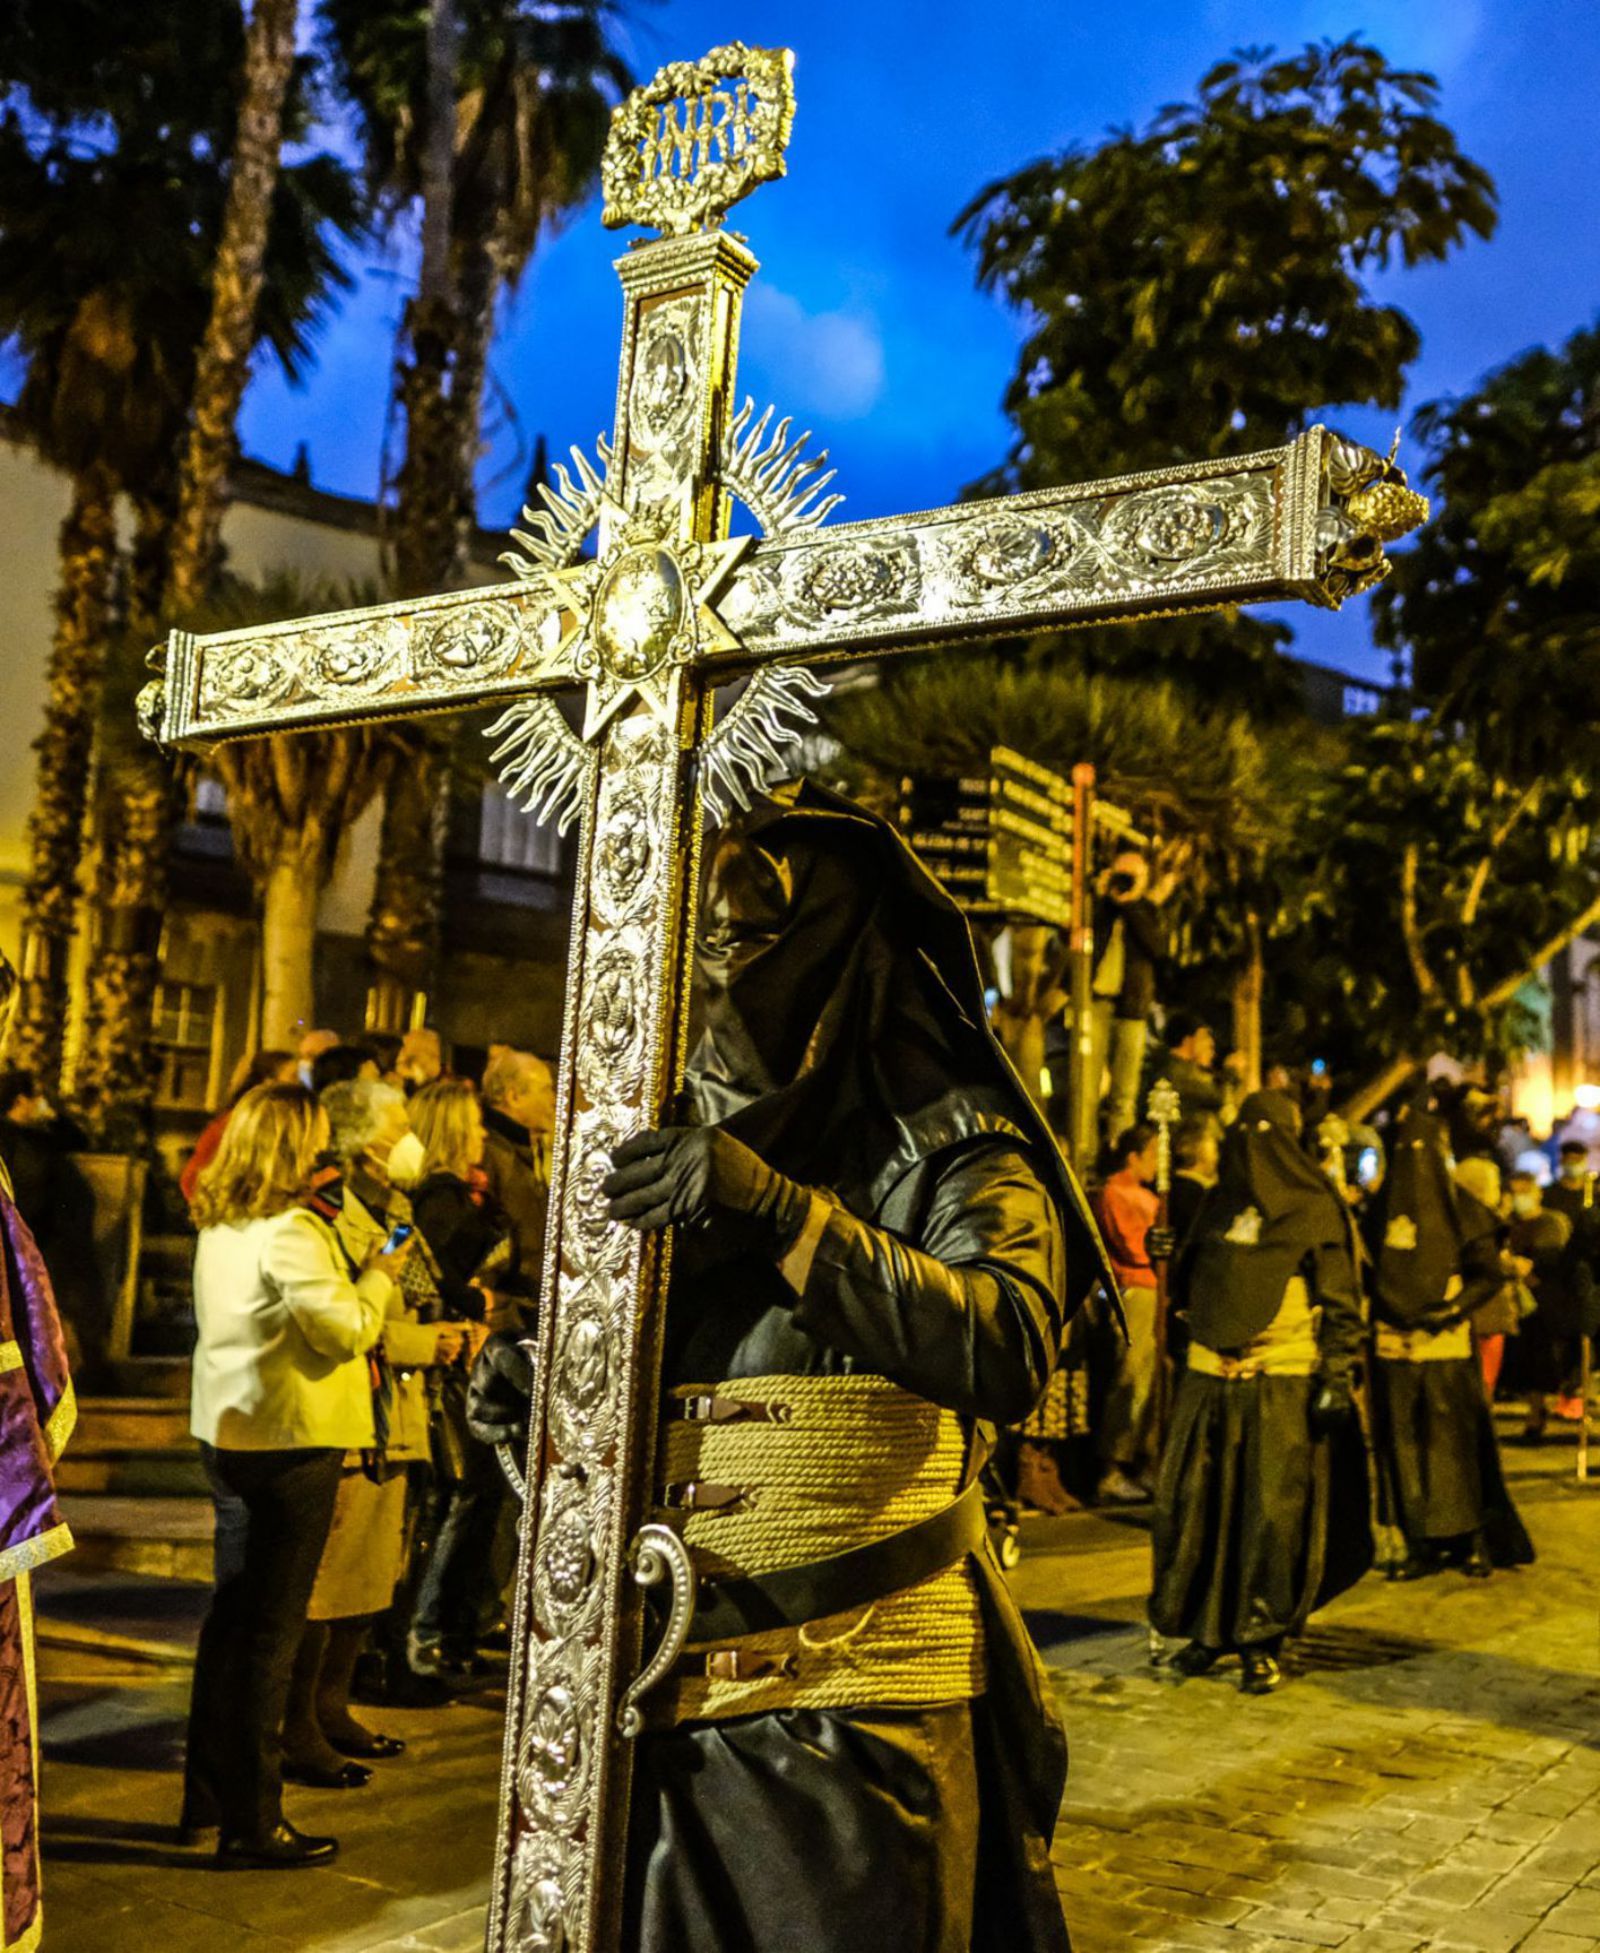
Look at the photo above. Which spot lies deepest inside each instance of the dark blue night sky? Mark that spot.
(864, 322)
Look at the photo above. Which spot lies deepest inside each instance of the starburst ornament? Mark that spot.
(643, 605)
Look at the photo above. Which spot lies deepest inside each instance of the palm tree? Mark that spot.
(272, 225)
(110, 133)
(292, 798)
(1215, 790)
(493, 114)
(240, 267)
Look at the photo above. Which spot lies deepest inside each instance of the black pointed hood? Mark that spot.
(845, 1037)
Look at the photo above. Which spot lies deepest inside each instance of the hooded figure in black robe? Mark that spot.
(1437, 1256)
(1261, 1506)
(864, 1191)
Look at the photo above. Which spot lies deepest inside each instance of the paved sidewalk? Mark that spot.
(1429, 1779)
(416, 1843)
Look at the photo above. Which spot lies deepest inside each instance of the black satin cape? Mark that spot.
(1233, 1288)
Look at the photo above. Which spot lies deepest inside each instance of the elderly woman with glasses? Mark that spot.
(324, 1744)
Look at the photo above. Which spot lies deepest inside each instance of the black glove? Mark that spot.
(702, 1177)
(1161, 1244)
(1331, 1407)
(498, 1392)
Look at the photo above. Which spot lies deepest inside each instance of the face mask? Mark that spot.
(1525, 1206)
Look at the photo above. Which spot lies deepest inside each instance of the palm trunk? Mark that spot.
(223, 366)
(441, 384)
(404, 925)
(116, 1075)
(85, 603)
(288, 944)
(139, 803)
(1249, 985)
(479, 288)
(431, 517)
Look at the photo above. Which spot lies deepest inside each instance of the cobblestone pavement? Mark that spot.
(1430, 1778)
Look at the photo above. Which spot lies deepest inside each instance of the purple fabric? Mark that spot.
(29, 1394)
(19, 1859)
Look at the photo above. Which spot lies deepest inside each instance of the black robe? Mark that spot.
(1258, 1520)
(1438, 1462)
(899, 1831)
(845, 1043)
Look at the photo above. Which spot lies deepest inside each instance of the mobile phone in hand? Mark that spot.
(399, 1235)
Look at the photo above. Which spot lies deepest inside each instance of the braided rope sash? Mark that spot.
(790, 1487)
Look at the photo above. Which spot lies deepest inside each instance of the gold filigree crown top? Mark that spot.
(702, 134)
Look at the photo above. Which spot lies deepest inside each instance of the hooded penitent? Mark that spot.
(1423, 1226)
(844, 1034)
(1271, 1207)
(844, 1042)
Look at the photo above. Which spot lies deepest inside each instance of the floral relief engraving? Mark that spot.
(573, 1513)
(480, 638)
(555, 1762)
(624, 849)
(610, 1058)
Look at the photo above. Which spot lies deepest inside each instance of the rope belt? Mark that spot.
(1423, 1345)
(1287, 1347)
(831, 1520)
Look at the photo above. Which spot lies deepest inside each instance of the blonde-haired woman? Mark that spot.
(468, 1241)
(281, 1392)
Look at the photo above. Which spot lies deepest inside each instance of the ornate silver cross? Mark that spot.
(668, 608)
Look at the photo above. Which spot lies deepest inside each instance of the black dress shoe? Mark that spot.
(283, 1848)
(1261, 1672)
(1196, 1659)
(368, 1744)
(321, 1776)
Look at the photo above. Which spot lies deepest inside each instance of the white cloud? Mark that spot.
(827, 363)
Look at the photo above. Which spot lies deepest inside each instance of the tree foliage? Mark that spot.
(114, 127)
(1213, 792)
(534, 92)
(1432, 889)
(1201, 287)
(1498, 601)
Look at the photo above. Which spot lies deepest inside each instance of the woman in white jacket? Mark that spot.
(282, 1390)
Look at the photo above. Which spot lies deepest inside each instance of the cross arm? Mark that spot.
(1306, 521)
(398, 660)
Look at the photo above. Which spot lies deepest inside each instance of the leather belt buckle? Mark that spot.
(740, 1665)
(702, 1495)
(711, 1408)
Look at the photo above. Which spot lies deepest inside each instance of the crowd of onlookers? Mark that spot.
(1528, 1329)
(365, 1222)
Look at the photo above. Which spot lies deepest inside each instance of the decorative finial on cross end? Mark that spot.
(1164, 1104)
(700, 135)
(1369, 504)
